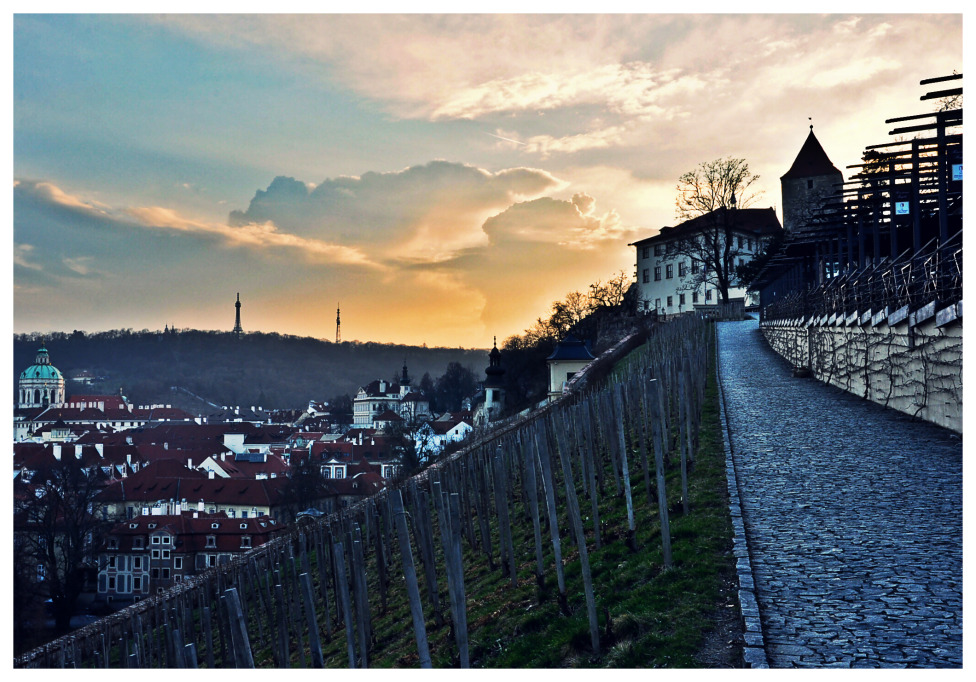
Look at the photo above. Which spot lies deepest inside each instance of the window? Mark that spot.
(657, 303)
(155, 540)
(137, 563)
(111, 583)
(646, 276)
(682, 269)
(215, 525)
(211, 541)
(155, 554)
(657, 274)
(137, 583)
(231, 513)
(645, 251)
(681, 299)
(339, 472)
(167, 540)
(809, 184)
(211, 560)
(137, 542)
(669, 271)
(155, 574)
(113, 543)
(243, 513)
(40, 572)
(694, 266)
(245, 541)
(112, 562)
(165, 554)
(708, 294)
(659, 249)
(164, 574)
(738, 242)
(694, 297)
(670, 301)
(326, 472)
(178, 563)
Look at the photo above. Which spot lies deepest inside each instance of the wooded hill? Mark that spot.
(271, 370)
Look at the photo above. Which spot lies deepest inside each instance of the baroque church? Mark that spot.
(41, 384)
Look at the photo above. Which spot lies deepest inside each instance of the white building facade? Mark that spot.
(671, 280)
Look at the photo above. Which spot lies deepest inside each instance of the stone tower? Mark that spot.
(810, 180)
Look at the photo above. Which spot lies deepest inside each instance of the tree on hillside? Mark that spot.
(710, 194)
(59, 522)
(457, 383)
(610, 294)
(306, 485)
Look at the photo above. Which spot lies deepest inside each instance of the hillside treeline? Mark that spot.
(267, 369)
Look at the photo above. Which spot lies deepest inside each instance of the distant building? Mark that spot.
(150, 553)
(41, 384)
(569, 357)
(489, 404)
(378, 397)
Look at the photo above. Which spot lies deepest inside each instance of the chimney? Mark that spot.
(79, 451)
(200, 506)
(56, 451)
(100, 447)
(210, 472)
(189, 462)
(165, 446)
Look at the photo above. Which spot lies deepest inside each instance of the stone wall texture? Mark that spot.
(910, 362)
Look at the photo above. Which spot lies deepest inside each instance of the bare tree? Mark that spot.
(710, 195)
(611, 294)
(58, 524)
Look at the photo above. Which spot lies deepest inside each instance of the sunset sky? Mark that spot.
(443, 178)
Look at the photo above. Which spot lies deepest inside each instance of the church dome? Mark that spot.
(41, 384)
(42, 367)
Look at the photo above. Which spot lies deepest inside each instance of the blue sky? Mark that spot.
(444, 177)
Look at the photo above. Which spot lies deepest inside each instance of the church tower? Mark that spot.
(494, 388)
(810, 180)
(237, 324)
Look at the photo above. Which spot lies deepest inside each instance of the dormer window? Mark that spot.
(215, 525)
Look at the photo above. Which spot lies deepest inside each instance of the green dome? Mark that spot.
(42, 368)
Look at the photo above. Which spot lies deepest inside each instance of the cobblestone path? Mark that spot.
(853, 516)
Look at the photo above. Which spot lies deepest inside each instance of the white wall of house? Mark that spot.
(670, 283)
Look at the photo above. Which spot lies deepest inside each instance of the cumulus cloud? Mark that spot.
(422, 212)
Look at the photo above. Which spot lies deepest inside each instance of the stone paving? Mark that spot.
(852, 515)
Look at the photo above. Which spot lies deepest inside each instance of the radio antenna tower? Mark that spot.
(338, 325)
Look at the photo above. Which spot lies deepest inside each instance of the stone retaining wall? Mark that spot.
(909, 361)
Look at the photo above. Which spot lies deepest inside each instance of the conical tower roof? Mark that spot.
(812, 161)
